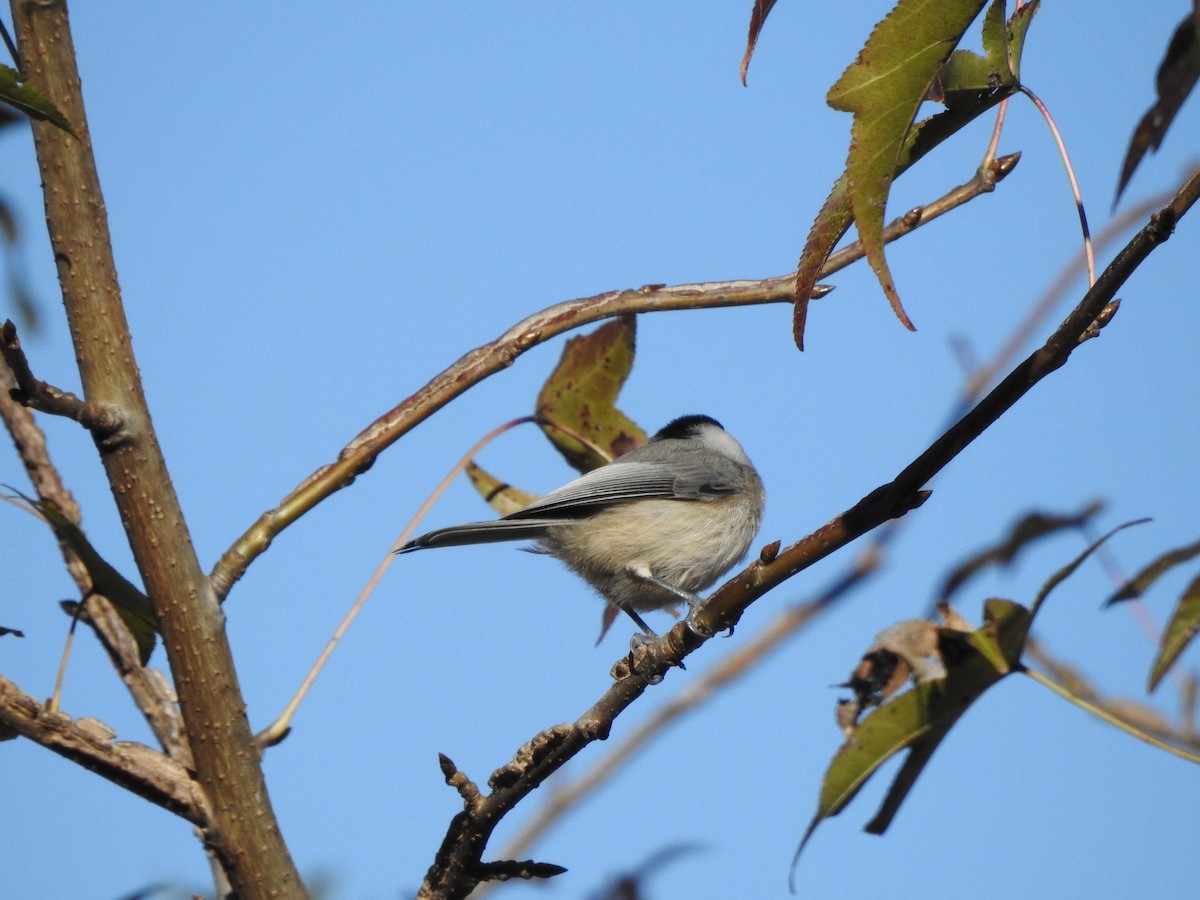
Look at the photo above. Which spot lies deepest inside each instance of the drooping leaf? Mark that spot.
(837, 214)
(20, 94)
(581, 395)
(499, 495)
(832, 221)
(758, 17)
(132, 605)
(1177, 75)
(1183, 627)
(13, 631)
(918, 719)
(1140, 583)
(1032, 527)
(1065, 572)
(883, 89)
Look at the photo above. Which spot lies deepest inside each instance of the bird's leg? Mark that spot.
(649, 632)
(694, 601)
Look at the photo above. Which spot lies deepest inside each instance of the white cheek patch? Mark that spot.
(719, 441)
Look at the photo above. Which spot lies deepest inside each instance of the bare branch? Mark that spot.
(359, 455)
(135, 767)
(31, 391)
(786, 625)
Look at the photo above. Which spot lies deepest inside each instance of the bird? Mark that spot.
(649, 529)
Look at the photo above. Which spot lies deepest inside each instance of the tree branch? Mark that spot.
(359, 455)
(456, 868)
(135, 767)
(33, 392)
(245, 835)
(147, 687)
(731, 667)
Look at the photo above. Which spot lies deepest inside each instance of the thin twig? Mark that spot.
(983, 376)
(45, 397)
(1102, 712)
(278, 729)
(731, 667)
(11, 46)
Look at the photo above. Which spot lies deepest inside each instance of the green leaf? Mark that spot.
(1140, 583)
(1018, 28)
(918, 719)
(581, 395)
(827, 229)
(836, 216)
(914, 142)
(133, 606)
(24, 96)
(883, 88)
(1183, 627)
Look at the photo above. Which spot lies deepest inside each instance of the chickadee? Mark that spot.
(647, 530)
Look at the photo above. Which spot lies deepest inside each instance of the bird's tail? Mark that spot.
(481, 533)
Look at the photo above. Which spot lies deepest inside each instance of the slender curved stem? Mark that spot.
(1116, 721)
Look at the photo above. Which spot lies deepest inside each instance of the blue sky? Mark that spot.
(314, 211)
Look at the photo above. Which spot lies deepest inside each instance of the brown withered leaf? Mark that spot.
(1030, 528)
(1177, 75)
(758, 17)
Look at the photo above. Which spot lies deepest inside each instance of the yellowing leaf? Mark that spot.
(918, 719)
(884, 88)
(1032, 527)
(758, 17)
(1177, 75)
(1140, 583)
(499, 495)
(581, 395)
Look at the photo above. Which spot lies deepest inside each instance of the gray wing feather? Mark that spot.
(691, 476)
(622, 481)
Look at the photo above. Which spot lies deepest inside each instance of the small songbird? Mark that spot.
(649, 529)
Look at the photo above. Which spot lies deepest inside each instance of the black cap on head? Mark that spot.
(684, 427)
